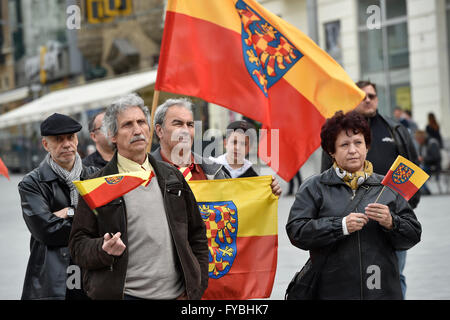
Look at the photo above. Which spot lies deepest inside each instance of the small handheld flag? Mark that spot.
(3, 169)
(99, 191)
(405, 177)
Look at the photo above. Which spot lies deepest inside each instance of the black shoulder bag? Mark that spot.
(303, 285)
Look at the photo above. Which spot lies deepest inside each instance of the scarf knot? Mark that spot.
(68, 176)
(355, 179)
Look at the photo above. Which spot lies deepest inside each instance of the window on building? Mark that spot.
(395, 9)
(333, 40)
(384, 51)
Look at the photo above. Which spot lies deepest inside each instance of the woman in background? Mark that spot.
(432, 129)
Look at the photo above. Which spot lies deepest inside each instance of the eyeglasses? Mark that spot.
(371, 96)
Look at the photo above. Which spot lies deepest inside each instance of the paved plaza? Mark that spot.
(426, 270)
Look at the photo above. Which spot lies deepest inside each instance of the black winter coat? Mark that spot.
(431, 154)
(42, 192)
(315, 224)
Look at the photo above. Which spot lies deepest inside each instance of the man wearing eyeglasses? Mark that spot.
(105, 148)
(389, 139)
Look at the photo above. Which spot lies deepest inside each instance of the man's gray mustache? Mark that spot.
(138, 138)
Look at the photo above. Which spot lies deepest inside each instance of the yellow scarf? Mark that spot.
(354, 180)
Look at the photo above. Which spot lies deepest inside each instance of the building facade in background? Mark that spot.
(7, 81)
(50, 45)
(120, 36)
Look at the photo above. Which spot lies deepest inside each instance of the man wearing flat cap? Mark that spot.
(48, 198)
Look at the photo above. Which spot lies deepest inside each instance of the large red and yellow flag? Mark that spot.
(405, 177)
(242, 230)
(3, 169)
(99, 191)
(237, 54)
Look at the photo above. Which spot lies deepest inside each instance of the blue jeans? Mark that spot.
(401, 258)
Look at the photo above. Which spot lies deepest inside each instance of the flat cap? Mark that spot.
(58, 124)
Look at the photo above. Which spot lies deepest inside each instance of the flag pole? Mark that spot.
(152, 116)
(384, 187)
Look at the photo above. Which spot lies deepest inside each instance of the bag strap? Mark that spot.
(352, 204)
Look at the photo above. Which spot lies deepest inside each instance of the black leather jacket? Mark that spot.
(42, 192)
(315, 224)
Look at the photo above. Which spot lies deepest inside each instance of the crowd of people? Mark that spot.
(151, 242)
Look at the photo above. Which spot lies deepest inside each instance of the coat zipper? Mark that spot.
(111, 268)
(359, 249)
(360, 268)
(122, 203)
(173, 238)
(359, 241)
(126, 230)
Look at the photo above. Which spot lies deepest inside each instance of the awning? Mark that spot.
(14, 95)
(73, 100)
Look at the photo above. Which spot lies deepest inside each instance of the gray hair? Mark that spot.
(160, 113)
(110, 125)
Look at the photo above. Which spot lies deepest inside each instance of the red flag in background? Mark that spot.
(3, 169)
(238, 55)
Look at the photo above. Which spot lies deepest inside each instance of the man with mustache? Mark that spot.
(48, 198)
(151, 242)
(174, 126)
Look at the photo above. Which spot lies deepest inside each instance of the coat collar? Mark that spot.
(111, 168)
(47, 174)
(209, 167)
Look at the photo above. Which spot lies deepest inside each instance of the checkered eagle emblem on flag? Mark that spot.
(221, 220)
(402, 174)
(113, 180)
(268, 54)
